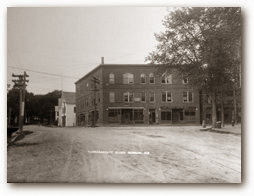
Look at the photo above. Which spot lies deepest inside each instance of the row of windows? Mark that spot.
(128, 97)
(165, 115)
(189, 115)
(128, 78)
(166, 96)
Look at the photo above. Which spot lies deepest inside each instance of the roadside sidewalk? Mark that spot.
(236, 130)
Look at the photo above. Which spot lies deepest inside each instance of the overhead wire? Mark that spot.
(46, 73)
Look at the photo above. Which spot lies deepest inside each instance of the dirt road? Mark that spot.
(125, 155)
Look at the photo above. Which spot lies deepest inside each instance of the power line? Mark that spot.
(46, 73)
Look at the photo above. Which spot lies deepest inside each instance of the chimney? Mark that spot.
(102, 60)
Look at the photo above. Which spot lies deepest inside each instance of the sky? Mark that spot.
(57, 46)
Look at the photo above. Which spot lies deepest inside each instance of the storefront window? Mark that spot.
(190, 114)
(138, 114)
(112, 113)
(165, 115)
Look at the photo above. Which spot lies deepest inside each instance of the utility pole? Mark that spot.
(9, 118)
(95, 82)
(9, 114)
(20, 84)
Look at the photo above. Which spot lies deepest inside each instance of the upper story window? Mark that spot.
(111, 97)
(187, 96)
(208, 99)
(152, 97)
(140, 97)
(142, 78)
(74, 109)
(166, 96)
(143, 97)
(93, 101)
(185, 80)
(128, 78)
(128, 97)
(111, 78)
(151, 78)
(166, 78)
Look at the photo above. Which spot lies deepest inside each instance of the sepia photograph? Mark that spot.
(124, 95)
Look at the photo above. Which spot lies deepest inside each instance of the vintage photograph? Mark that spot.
(124, 94)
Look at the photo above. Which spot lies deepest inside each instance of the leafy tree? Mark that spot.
(204, 44)
(39, 107)
(13, 105)
(47, 105)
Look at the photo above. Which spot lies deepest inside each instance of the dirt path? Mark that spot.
(176, 155)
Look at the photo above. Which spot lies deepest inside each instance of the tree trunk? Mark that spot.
(202, 107)
(204, 115)
(214, 115)
(234, 117)
(222, 109)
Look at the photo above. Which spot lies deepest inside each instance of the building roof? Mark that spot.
(119, 65)
(97, 67)
(69, 97)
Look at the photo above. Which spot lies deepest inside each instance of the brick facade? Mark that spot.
(174, 102)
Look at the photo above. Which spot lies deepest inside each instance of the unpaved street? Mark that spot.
(172, 155)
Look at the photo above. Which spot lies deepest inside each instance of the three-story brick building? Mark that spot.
(134, 94)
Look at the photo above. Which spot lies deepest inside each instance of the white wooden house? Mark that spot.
(65, 111)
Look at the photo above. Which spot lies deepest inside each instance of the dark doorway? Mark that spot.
(82, 120)
(177, 115)
(63, 121)
(151, 116)
(127, 116)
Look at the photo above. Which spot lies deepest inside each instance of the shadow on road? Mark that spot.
(24, 144)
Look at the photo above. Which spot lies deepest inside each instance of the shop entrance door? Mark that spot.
(127, 116)
(177, 115)
(151, 116)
